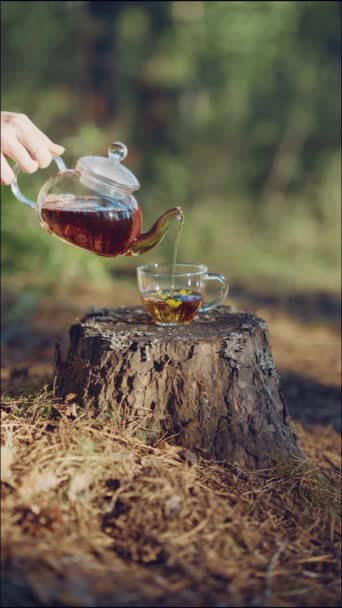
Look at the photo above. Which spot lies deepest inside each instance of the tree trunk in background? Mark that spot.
(101, 67)
(210, 386)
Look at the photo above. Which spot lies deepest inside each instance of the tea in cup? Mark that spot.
(173, 294)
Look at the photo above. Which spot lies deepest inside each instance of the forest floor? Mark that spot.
(94, 518)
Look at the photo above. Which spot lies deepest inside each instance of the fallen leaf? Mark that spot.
(122, 456)
(7, 459)
(36, 483)
(167, 447)
(79, 483)
(70, 397)
(173, 506)
(71, 410)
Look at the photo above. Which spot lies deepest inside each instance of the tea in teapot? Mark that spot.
(93, 207)
(93, 224)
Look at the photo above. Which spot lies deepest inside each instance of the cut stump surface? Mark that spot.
(211, 386)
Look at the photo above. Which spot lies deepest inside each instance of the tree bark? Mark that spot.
(210, 386)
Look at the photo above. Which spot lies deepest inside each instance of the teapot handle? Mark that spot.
(15, 188)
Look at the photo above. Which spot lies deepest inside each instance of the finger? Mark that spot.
(15, 150)
(54, 149)
(41, 148)
(36, 146)
(7, 175)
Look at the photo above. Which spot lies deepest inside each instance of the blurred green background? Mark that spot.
(229, 109)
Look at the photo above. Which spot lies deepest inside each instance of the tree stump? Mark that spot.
(210, 386)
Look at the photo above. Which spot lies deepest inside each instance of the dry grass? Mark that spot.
(94, 518)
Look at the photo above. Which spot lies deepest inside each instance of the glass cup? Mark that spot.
(173, 294)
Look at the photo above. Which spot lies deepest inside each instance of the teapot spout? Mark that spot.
(148, 240)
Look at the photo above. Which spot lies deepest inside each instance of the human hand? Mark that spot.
(22, 141)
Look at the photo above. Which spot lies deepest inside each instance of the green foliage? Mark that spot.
(230, 109)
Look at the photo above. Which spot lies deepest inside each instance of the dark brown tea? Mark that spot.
(94, 224)
(176, 306)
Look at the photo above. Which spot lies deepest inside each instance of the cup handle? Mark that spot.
(211, 276)
(15, 188)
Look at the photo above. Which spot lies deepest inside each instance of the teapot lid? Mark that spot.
(107, 174)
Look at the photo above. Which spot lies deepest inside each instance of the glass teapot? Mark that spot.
(93, 207)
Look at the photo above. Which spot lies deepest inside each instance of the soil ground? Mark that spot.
(298, 564)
